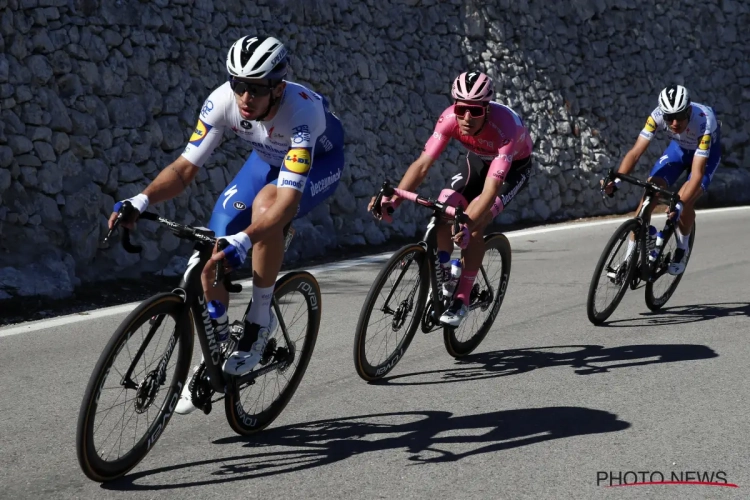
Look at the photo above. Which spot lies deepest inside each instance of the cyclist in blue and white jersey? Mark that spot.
(695, 147)
(296, 163)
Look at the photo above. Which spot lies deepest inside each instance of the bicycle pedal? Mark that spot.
(206, 408)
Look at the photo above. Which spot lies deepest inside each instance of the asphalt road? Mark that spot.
(545, 408)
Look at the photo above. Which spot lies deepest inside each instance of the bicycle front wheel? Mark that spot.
(612, 275)
(660, 290)
(252, 406)
(397, 300)
(486, 298)
(135, 386)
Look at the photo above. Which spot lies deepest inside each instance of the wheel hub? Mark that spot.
(146, 392)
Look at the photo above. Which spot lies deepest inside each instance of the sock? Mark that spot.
(260, 309)
(683, 240)
(465, 283)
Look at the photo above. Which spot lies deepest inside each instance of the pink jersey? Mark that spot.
(502, 139)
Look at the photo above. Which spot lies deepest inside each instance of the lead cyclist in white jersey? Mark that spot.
(695, 147)
(296, 163)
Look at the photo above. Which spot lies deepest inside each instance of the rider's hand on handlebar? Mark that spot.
(235, 253)
(462, 237)
(139, 203)
(608, 189)
(387, 206)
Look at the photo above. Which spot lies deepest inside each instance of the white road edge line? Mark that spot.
(44, 324)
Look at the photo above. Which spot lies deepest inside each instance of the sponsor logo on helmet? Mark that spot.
(326, 182)
(239, 205)
(297, 160)
(281, 55)
(705, 142)
(200, 133)
(208, 106)
(650, 125)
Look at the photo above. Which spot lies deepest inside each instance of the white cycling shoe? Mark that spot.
(185, 405)
(245, 358)
(455, 314)
(677, 266)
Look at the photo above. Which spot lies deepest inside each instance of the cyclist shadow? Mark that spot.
(425, 436)
(679, 315)
(586, 359)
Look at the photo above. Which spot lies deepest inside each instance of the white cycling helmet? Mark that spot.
(251, 57)
(474, 86)
(674, 99)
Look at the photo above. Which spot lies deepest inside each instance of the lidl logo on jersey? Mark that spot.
(298, 160)
(200, 133)
(650, 125)
(705, 142)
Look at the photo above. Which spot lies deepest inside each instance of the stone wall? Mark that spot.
(97, 96)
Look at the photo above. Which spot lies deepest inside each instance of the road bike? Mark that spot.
(133, 391)
(406, 294)
(647, 263)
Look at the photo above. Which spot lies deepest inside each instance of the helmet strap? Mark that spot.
(486, 117)
(271, 102)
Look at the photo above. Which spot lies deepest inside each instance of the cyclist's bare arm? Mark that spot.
(414, 175)
(171, 181)
(479, 209)
(631, 157)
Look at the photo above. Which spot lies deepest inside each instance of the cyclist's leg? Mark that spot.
(687, 218)
(465, 185)
(268, 254)
(233, 213)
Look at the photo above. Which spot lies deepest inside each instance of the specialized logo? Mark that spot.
(200, 133)
(705, 142)
(456, 178)
(298, 160)
(228, 194)
(650, 125)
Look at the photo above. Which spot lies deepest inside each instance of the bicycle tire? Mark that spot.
(92, 464)
(453, 345)
(622, 232)
(656, 303)
(246, 422)
(364, 367)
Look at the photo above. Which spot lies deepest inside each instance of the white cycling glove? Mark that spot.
(236, 252)
(139, 202)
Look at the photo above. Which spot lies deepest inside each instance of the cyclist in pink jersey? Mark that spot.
(497, 167)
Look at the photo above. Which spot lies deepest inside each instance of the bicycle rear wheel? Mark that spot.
(486, 298)
(660, 290)
(397, 297)
(252, 406)
(610, 271)
(130, 399)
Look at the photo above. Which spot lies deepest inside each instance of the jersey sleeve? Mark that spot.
(208, 131)
(307, 125)
(441, 136)
(706, 140)
(653, 122)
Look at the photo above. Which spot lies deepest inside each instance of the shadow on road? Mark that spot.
(426, 437)
(684, 314)
(586, 359)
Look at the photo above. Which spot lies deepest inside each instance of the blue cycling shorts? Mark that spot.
(676, 160)
(233, 210)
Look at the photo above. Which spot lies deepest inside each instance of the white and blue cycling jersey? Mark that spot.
(300, 148)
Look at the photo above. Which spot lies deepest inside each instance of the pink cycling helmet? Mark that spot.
(473, 86)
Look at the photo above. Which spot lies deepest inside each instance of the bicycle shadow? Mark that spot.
(679, 315)
(587, 360)
(426, 436)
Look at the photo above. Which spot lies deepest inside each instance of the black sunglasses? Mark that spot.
(670, 117)
(255, 90)
(474, 111)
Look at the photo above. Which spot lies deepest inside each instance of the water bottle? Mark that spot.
(450, 286)
(218, 313)
(651, 242)
(444, 267)
(657, 247)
